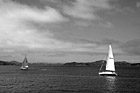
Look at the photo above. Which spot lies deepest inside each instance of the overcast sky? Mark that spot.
(69, 30)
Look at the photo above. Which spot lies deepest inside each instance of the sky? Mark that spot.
(55, 31)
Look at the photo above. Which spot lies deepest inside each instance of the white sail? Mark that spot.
(110, 60)
(24, 64)
(110, 66)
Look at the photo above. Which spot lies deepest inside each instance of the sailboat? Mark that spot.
(110, 66)
(24, 64)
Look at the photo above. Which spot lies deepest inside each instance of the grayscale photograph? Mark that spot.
(69, 46)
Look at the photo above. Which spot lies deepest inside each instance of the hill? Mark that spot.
(99, 62)
(96, 63)
(9, 63)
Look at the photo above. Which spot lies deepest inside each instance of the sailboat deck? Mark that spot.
(107, 73)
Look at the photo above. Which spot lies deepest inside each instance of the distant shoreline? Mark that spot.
(96, 63)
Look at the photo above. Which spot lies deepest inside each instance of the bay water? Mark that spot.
(60, 79)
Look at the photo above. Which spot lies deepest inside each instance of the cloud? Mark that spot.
(82, 12)
(19, 34)
(124, 10)
(107, 41)
(16, 29)
(131, 47)
(138, 4)
(24, 12)
(86, 9)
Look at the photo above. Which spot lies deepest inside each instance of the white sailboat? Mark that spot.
(24, 64)
(110, 67)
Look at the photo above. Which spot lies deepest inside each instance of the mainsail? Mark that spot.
(24, 64)
(110, 60)
(110, 66)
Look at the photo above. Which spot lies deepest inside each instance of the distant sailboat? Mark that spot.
(110, 67)
(24, 64)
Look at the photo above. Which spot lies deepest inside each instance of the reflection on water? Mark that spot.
(111, 83)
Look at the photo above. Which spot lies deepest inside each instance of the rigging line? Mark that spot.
(105, 58)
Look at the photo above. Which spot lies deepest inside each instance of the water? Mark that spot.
(42, 79)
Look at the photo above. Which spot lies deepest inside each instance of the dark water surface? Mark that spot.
(43, 79)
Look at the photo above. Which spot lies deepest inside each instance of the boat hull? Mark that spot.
(23, 68)
(107, 74)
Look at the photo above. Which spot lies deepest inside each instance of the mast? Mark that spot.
(110, 60)
(103, 63)
(25, 62)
